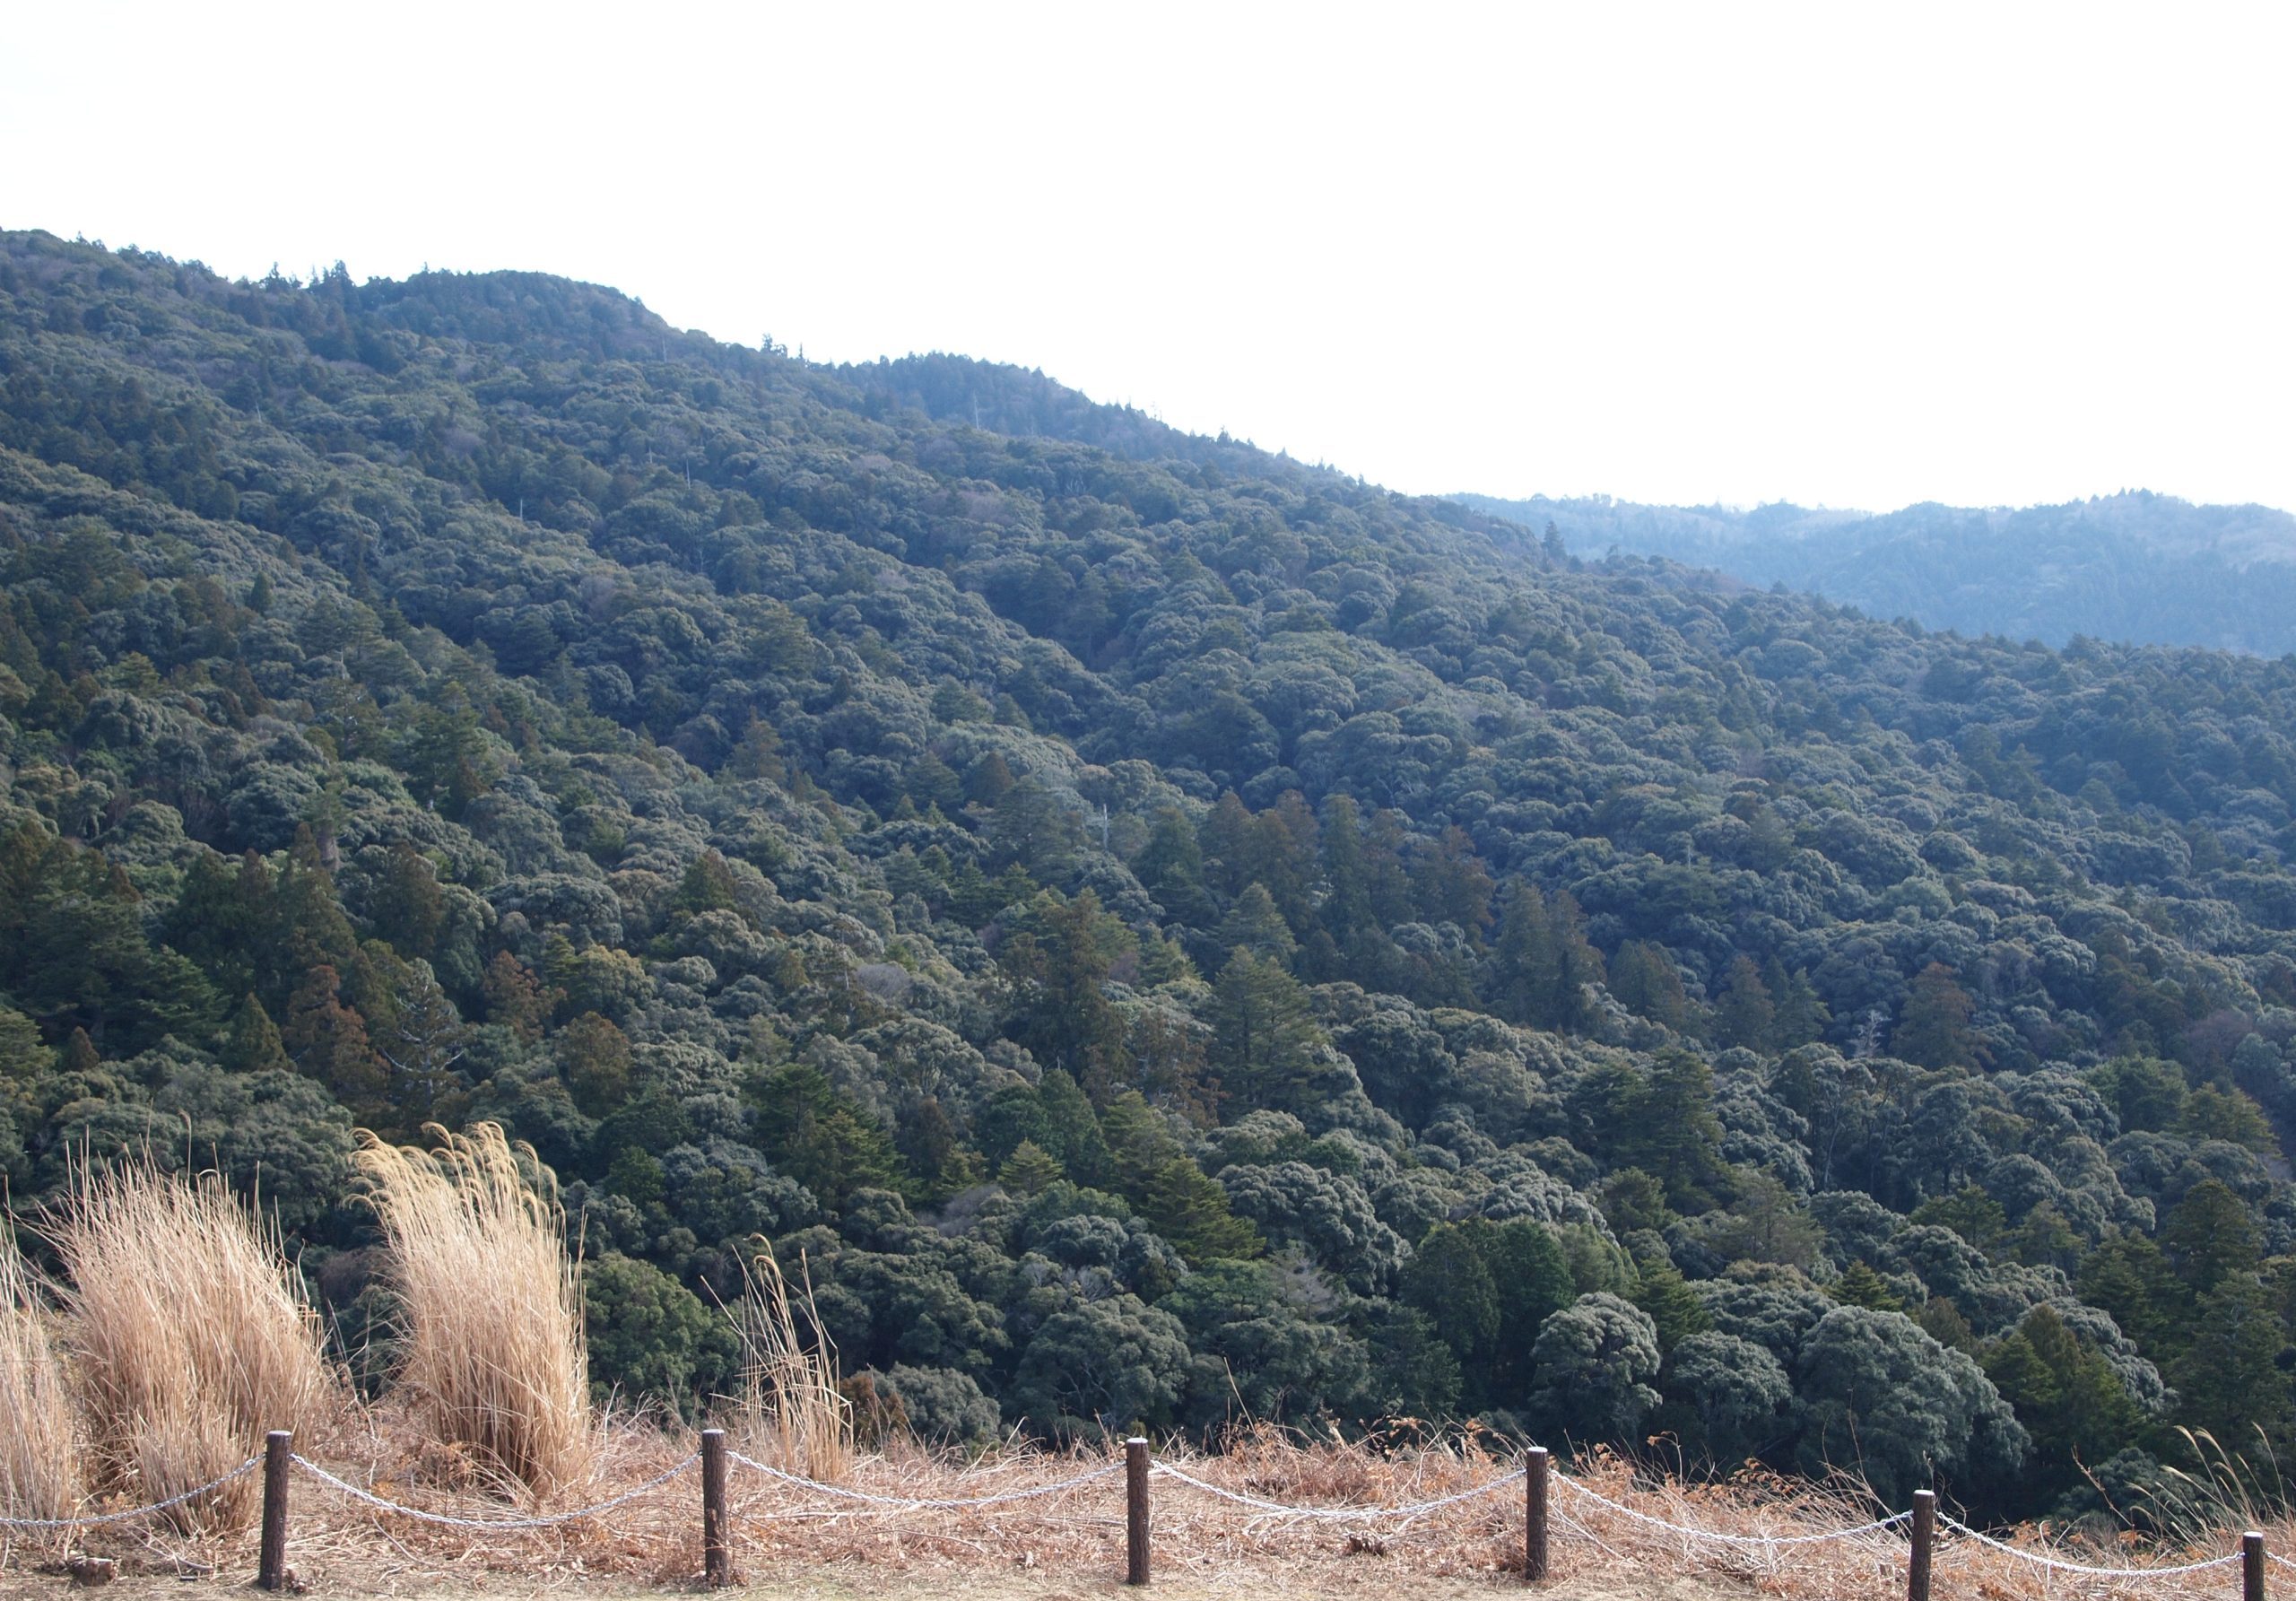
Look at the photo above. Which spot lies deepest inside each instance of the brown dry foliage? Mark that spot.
(40, 1433)
(492, 1353)
(189, 1336)
(789, 1412)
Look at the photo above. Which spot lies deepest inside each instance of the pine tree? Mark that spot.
(420, 1046)
(1067, 1018)
(1447, 1279)
(988, 781)
(1263, 1037)
(515, 997)
(1449, 885)
(594, 1055)
(407, 907)
(821, 1139)
(1137, 1142)
(1743, 1012)
(1672, 1132)
(1031, 827)
(1253, 924)
(2230, 1381)
(1385, 879)
(1970, 1211)
(1071, 1130)
(1345, 911)
(1574, 968)
(1666, 1298)
(758, 753)
(1030, 1170)
(2068, 1399)
(1801, 1015)
(255, 1046)
(1281, 856)
(80, 1057)
(933, 784)
(1861, 1286)
(1934, 1026)
(1225, 844)
(1644, 981)
(1191, 1210)
(2130, 1277)
(2209, 1236)
(1943, 1322)
(1170, 867)
(930, 1141)
(312, 927)
(328, 1040)
(1532, 1275)
(708, 885)
(1521, 964)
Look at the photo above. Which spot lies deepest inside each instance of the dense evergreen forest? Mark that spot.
(2138, 567)
(1169, 935)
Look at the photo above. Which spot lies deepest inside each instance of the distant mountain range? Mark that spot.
(2136, 568)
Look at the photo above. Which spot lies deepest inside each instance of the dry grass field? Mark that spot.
(799, 1544)
(860, 1583)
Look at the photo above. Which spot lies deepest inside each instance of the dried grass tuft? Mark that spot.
(2224, 1489)
(790, 1411)
(189, 1335)
(40, 1432)
(492, 1351)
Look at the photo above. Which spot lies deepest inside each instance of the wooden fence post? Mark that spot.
(717, 1547)
(2252, 1566)
(1924, 1540)
(1136, 1510)
(271, 1566)
(1534, 1484)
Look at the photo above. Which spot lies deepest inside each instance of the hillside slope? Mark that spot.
(1168, 932)
(2135, 567)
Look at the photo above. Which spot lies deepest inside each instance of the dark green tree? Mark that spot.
(1264, 1039)
(255, 1045)
(1743, 1013)
(2072, 1405)
(820, 1138)
(1646, 981)
(2209, 1236)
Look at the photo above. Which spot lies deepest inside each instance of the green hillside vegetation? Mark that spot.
(2138, 567)
(1170, 935)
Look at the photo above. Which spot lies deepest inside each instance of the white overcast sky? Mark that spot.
(1845, 254)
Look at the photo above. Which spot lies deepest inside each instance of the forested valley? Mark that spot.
(1160, 934)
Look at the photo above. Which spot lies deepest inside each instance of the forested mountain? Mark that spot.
(2135, 567)
(1169, 934)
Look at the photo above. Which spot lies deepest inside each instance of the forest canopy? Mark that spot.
(1170, 935)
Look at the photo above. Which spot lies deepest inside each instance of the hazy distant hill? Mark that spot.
(2140, 568)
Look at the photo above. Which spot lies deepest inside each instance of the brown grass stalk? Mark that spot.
(789, 1411)
(39, 1432)
(189, 1335)
(492, 1353)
